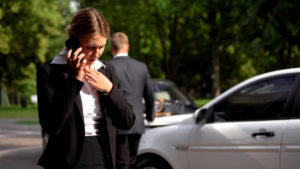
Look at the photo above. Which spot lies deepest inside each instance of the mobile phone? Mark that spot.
(72, 43)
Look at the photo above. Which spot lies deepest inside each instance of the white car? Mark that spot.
(253, 125)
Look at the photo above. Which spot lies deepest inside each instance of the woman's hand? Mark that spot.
(98, 80)
(75, 65)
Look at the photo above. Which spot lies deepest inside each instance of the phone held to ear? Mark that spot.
(72, 43)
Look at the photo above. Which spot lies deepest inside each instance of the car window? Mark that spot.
(169, 92)
(261, 101)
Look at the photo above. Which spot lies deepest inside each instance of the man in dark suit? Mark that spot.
(135, 82)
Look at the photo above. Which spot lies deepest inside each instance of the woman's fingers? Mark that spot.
(80, 59)
(69, 54)
(98, 80)
(76, 63)
(76, 53)
(77, 58)
(82, 65)
(92, 74)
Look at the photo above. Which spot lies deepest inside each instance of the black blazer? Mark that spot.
(61, 116)
(135, 82)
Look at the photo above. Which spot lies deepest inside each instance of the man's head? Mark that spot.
(119, 43)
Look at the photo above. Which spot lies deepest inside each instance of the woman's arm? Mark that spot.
(56, 97)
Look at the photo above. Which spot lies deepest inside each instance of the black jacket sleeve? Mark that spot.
(149, 98)
(56, 97)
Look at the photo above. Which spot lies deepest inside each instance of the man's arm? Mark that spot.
(149, 98)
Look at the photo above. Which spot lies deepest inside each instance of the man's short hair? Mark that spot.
(118, 41)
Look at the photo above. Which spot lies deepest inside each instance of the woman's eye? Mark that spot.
(94, 47)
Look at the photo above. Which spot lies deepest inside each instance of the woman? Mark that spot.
(79, 102)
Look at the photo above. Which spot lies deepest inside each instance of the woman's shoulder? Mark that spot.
(45, 65)
(49, 67)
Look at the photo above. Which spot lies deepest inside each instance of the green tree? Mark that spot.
(206, 46)
(273, 30)
(27, 31)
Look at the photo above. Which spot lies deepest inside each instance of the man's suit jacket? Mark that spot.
(61, 115)
(135, 82)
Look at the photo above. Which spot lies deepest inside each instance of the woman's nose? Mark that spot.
(97, 51)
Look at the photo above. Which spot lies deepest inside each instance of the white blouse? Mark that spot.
(91, 108)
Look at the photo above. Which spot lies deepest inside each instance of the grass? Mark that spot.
(201, 102)
(29, 115)
(29, 122)
(30, 112)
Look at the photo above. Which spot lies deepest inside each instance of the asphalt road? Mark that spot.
(20, 145)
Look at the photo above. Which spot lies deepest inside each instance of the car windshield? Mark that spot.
(169, 92)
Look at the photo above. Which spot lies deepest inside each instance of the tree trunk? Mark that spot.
(285, 59)
(162, 38)
(216, 65)
(174, 51)
(289, 57)
(4, 97)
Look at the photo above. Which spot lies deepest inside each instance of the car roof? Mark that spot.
(267, 75)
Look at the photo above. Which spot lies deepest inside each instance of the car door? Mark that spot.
(245, 129)
(290, 154)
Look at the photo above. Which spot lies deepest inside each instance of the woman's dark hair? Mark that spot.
(88, 21)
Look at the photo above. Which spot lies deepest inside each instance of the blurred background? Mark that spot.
(204, 46)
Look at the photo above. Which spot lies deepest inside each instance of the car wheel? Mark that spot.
(152, 163)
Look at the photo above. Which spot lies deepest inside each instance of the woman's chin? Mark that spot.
(90, 61)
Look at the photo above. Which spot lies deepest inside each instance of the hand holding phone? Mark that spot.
(75, 58)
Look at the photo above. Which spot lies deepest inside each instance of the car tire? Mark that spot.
(152, 163)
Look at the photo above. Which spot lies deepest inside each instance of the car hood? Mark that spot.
(170, 120)
(167, 141)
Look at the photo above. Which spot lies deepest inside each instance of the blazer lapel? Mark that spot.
(103, 70)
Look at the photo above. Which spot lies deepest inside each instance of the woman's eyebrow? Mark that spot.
(95, 44)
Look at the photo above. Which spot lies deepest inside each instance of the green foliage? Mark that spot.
(200, 45)
(274, 30)
(184, 40)
(28, 33)
(201, 102)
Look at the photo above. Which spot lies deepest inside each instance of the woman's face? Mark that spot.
(92, 46)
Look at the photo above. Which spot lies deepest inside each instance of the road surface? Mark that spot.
(20, 145)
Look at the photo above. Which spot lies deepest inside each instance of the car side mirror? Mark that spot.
(200, 116)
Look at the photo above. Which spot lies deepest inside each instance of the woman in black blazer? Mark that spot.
(79, 102)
